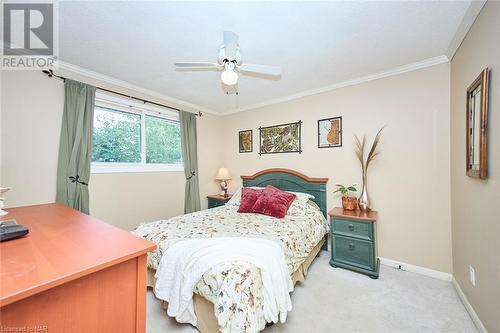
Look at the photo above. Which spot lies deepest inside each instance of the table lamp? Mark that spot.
(223, 176)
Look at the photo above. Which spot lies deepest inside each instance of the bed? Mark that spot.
(228, 297)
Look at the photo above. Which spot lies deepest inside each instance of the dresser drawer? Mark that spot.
(355, 252)
(352, 228)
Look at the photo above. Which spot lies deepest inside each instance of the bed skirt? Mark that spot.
(204, 309)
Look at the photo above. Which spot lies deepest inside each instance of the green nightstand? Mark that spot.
(352, 235)
(217, 200)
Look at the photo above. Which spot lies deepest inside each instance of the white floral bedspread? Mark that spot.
(235, 288)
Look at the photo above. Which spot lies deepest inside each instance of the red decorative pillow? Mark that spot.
(248, 198)
(273, 202)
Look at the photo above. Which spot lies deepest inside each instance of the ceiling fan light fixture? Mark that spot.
(230, 64)
(229, 77)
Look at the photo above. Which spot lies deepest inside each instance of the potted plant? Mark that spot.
(349, 201)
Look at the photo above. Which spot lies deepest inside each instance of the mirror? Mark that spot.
(477, 116)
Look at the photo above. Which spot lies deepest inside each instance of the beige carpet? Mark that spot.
(337, 300)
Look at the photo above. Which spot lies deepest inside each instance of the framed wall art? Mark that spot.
(330, 132)
(284, 138)
(245, 141)
(477, 127)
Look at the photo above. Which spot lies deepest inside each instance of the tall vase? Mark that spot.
(364, 199)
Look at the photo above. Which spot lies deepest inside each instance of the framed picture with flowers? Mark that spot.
(246, 141)
(284, 138)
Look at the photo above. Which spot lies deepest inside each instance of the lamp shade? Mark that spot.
(223, 174)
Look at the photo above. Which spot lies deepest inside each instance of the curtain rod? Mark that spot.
(50, 73)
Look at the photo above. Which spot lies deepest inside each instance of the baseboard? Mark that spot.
(473, 315)
(417, 269)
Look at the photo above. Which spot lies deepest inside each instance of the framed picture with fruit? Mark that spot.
(330, 132)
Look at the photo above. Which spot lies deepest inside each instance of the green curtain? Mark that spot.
(75, 147)
(190, 160)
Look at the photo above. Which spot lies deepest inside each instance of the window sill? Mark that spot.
(133, 167)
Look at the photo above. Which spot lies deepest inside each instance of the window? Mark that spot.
(132, 137)
(116, 136)
(163, 140)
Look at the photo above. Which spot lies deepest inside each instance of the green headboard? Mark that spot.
(290, 180)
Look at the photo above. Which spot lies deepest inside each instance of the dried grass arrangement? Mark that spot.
(364, 200)
(360, 150)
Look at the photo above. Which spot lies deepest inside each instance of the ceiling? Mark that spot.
(317, 44)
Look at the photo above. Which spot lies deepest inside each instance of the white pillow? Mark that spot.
(313, 205)
(304, 197)
(236, 198)
(299, 207)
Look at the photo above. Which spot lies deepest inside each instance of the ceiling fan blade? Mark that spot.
(197, 69)
(260, 69)
(230, 44)
(196, 64)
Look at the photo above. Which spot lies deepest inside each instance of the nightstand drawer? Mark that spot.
(353, 228)
(353, 252)
(212, 203)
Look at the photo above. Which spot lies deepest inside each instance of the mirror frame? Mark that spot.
(481, 81)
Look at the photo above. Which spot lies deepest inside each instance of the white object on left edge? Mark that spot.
(184, 263)
(2, 191)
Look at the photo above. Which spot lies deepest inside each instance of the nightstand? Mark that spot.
(217, 200)
(352, 237)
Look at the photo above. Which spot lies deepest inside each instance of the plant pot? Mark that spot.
(349, 203)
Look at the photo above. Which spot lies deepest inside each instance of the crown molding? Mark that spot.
(467, 21)
(193, 107)
(127, 85)
(375, 76)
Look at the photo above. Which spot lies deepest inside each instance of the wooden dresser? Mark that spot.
(353, 241)
(71, 273)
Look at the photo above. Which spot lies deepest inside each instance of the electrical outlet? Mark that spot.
(400, 267)
(472, 275)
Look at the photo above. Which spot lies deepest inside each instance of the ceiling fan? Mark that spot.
(230, 63)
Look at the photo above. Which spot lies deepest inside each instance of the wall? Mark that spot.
(409, 182)
(31, 121)
(475, 203)
(1, 75)
(31, 116)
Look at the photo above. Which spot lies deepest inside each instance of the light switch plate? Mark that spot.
(472, 275)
